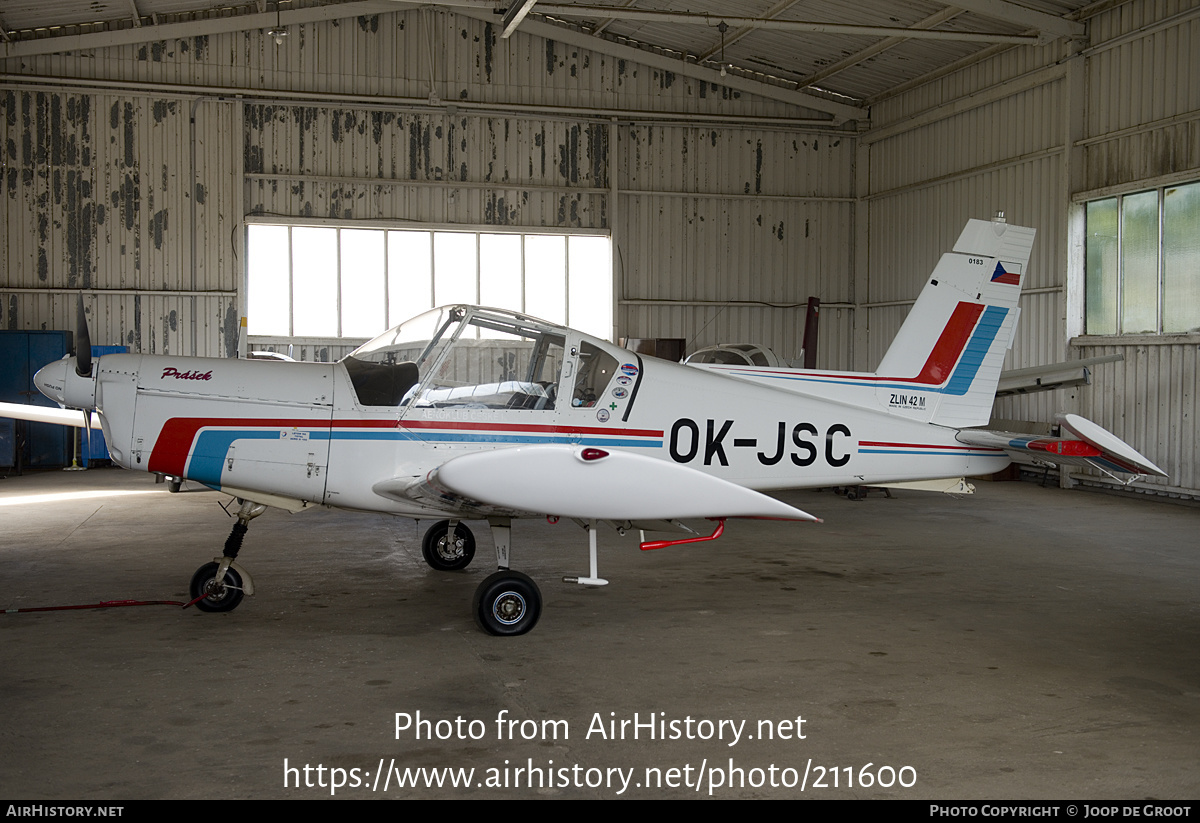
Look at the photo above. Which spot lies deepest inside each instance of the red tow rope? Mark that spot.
(105, 604)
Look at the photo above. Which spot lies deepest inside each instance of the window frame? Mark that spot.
(1084, 201)
(391, 311)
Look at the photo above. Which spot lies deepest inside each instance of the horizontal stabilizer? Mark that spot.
(598, 484)
(1051, 377)
(1092, 446)
(45, 414)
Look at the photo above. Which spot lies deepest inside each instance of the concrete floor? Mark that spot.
(1022, 643)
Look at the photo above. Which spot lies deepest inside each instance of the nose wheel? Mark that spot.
(222, 595)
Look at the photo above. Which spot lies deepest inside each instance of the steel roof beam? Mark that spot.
(513, 17)
(603, 24)
(878, 48)
(1022, 16)
(771, 13)
(841, 111)
(191, 28)
(711, 20)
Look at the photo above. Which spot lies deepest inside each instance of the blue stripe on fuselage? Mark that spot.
(212, 445)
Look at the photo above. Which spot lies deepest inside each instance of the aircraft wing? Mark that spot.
(46, 414)
(586, 483)
(1093, 446)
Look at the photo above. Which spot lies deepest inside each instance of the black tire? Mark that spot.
(174, 484)
(446, 553)
(221, 598)
(507, 603)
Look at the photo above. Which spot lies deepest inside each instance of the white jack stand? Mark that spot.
(594, 578)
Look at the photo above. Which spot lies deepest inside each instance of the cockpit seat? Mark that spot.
(381, 384)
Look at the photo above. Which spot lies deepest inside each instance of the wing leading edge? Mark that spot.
(586, 483)
(46, 414)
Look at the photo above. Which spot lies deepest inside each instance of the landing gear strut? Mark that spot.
(221, 584)
(506, 603)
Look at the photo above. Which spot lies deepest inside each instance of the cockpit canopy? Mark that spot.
(470, 357)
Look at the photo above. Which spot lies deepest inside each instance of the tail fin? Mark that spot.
(952, 343)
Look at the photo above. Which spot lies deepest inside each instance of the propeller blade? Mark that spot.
(83, 343)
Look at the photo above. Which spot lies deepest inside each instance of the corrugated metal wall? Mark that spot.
(1149, 399)
(99, 196)
(343, 127)
(389, 55)
(465, 168)
(755, 220)
(1143, 74)
(1031, 131)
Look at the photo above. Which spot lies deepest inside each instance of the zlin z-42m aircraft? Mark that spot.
(475, 413)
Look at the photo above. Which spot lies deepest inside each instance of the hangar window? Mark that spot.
(340, 282)
(1143, 262)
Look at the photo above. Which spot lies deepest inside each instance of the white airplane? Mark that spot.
(466, 412)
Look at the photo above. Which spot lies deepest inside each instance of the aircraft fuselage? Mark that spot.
(296, 431)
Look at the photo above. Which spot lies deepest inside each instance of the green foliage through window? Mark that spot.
(1143, 262)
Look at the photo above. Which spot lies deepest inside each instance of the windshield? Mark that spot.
(496, 362)
(416, 341)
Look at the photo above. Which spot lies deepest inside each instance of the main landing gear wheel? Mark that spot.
(507, 603)
(446, 552)
(222, 597)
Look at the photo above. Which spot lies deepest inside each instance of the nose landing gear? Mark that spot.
(219, 586)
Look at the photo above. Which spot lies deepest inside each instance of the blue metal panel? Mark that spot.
(22, 353)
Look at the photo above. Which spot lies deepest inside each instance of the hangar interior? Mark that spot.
(730, 159)
(735, 172)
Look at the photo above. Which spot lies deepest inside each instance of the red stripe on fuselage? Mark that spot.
(174, 442)
(885, 444)
(521, 427)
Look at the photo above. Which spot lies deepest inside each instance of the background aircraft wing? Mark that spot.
(583, 482)
(1093, 446)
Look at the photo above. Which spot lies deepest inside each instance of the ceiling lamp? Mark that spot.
(278, 32)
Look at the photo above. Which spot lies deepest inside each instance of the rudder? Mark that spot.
(952, 344)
